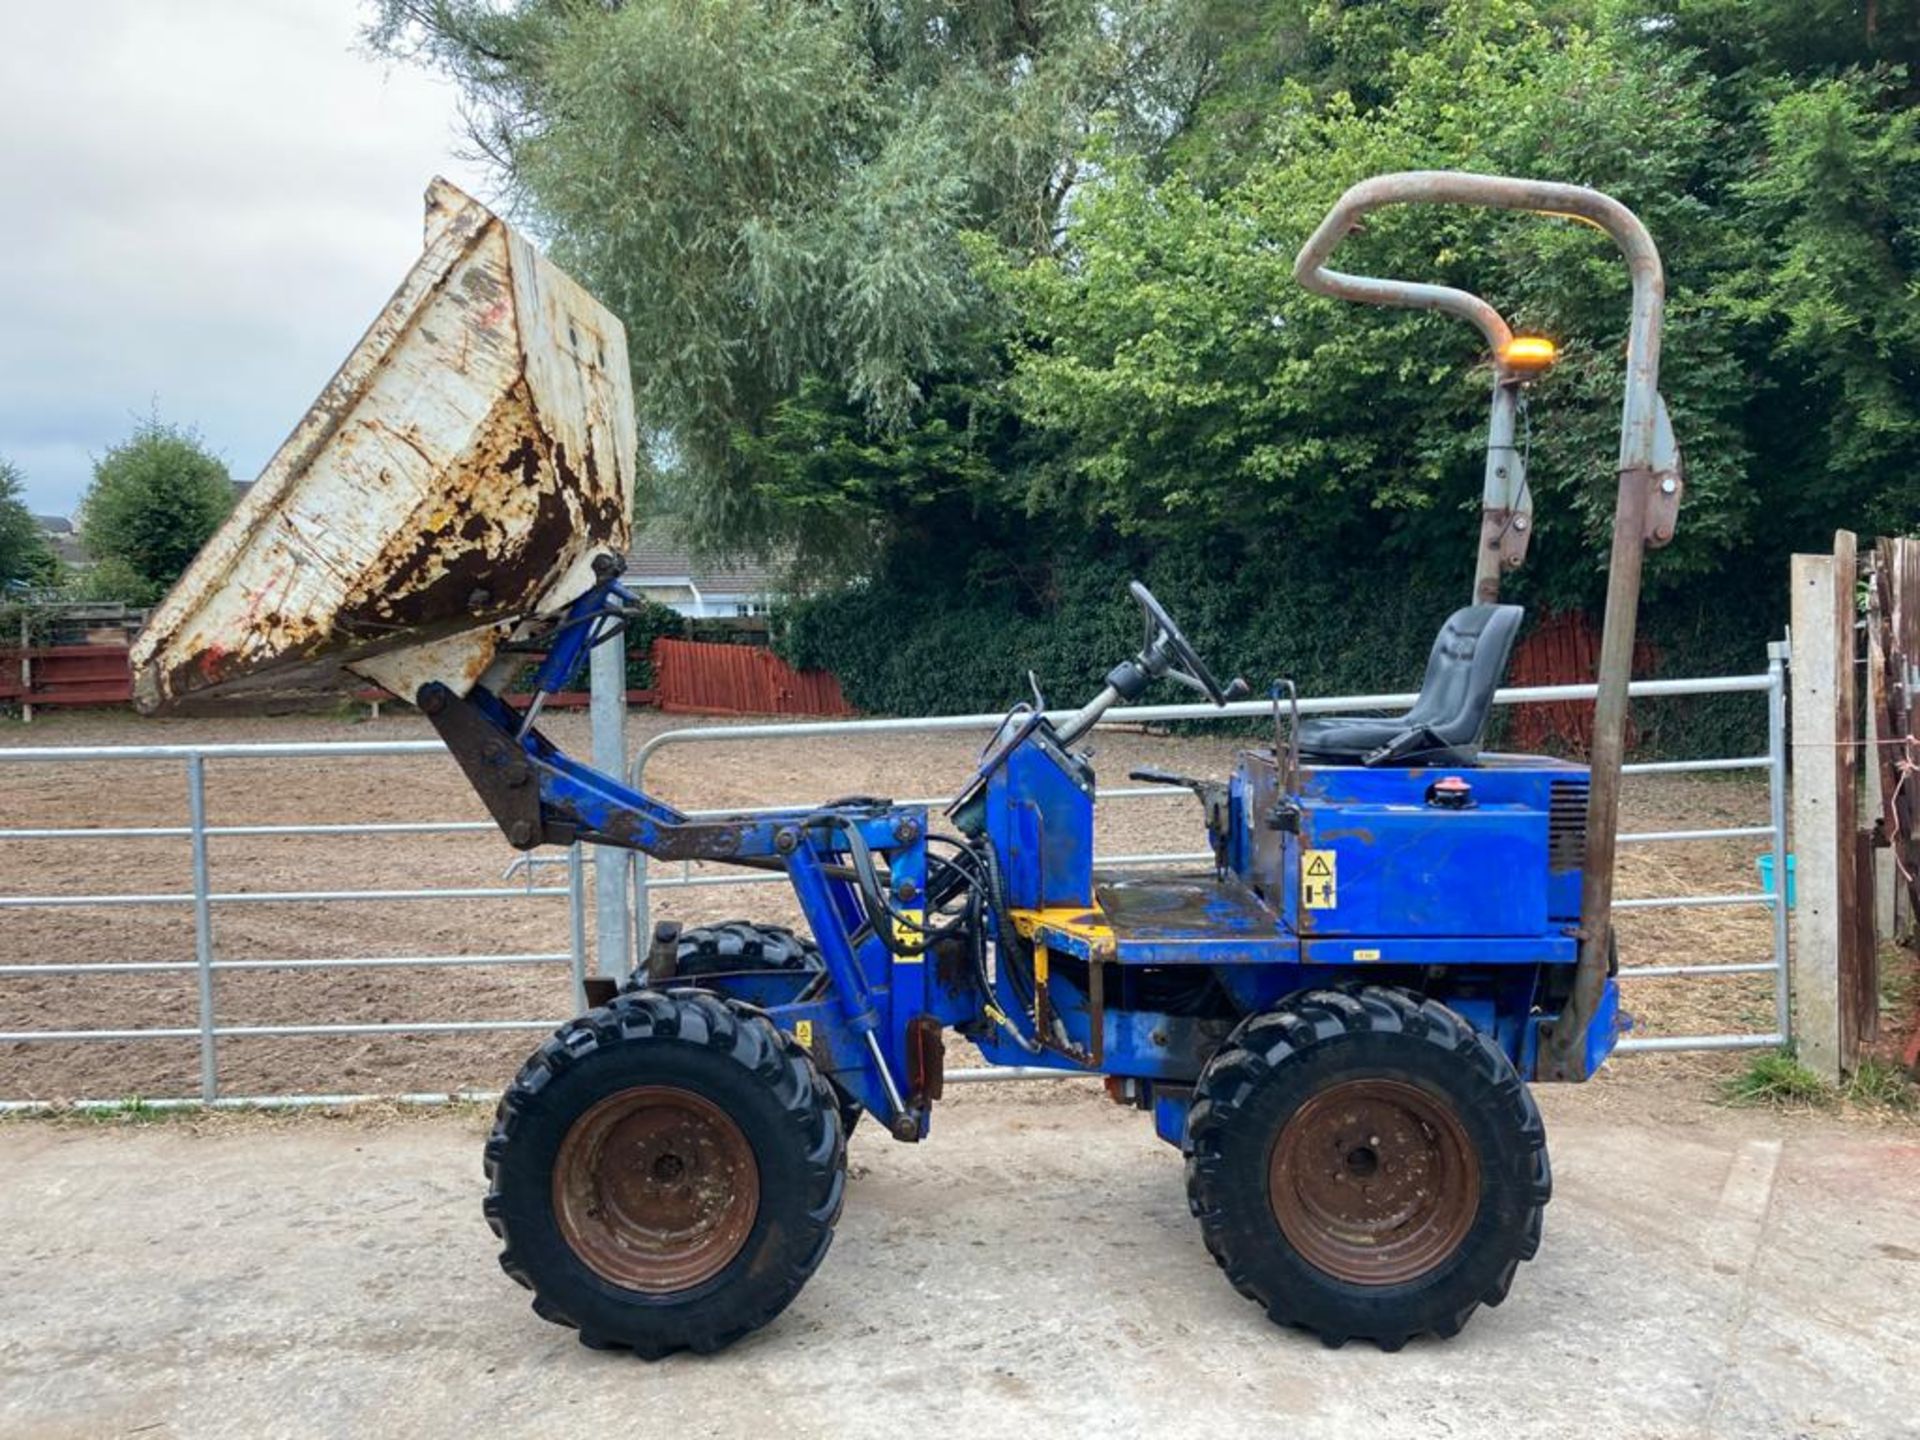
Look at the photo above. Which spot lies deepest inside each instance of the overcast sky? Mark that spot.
(202, 205)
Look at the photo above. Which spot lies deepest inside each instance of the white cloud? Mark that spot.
(202, 205)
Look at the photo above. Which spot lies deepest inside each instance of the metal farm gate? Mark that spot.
(206, 896)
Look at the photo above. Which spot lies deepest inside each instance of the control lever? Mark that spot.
(1212, 795)
(1235, 689)
(1407, 742)
(1154, 775)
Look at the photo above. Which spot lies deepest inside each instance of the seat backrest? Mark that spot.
(1468, 662)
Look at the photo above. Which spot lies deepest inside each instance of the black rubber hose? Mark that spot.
(1012, 947)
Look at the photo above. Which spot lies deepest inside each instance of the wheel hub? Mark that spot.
(655, 1188)
(1374, 1181)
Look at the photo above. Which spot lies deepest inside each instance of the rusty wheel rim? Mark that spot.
(655, 1189)
(1374, 1181)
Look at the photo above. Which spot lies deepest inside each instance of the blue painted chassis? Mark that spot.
(1476, 907)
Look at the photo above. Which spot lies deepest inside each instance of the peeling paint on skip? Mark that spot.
(462, 468)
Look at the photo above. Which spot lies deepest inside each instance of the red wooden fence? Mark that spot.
(101, 675)
(696, 677)
(740, 680)
(67, 675)
(1562, 649)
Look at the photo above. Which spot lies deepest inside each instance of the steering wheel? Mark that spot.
(1168, 652)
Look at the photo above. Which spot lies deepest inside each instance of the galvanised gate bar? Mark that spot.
(205, 895)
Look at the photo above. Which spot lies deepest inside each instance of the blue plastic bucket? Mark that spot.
(1765, 863)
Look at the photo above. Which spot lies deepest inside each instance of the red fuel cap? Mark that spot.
(1450, 792)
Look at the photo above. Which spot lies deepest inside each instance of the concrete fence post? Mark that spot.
(1822, 794)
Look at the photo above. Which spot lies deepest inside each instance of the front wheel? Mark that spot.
(703, 952)
(665, 1173)
(1366, 1165)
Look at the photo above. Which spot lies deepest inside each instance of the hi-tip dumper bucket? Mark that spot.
(457, 475)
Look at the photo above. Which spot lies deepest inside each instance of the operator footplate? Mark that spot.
(1179, 919)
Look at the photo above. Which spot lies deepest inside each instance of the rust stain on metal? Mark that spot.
(459, 472)
(1374, 1181)
(486, 544)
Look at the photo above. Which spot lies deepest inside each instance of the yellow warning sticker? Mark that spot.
(1319, 879)
(907, 932)
(803, 1032)
(1366, 954)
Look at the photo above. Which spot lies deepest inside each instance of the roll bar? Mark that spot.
(1542, 197)
(1644, 513)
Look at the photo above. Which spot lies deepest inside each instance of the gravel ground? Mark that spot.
(1031, 1270)
(429, 787)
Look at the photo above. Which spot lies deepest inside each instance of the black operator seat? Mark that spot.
(1444, 726)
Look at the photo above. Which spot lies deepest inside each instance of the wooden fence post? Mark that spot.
(1893, 704)
(1886, 917)
(26, 669)
(1822, 841)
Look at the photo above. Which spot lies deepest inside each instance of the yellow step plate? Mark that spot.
(1070, 928)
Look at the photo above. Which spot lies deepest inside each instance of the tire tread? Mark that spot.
(1266, 1043)
(777, 1063)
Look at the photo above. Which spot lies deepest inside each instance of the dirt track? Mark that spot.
(1031, 1270)
(429, 787)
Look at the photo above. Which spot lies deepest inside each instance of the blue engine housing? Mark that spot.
(1390, 865)
(1468, 890)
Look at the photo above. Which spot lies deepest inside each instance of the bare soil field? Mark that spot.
(428, 787)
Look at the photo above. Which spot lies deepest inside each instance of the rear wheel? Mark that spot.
(665, 1173)
(1366, 1165)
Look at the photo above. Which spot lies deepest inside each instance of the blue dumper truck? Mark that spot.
(1336, 1021)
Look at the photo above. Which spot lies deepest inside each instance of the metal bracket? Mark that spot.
(1666, 482)
(1506, 504)
(663, 955)
(498, 770)
(1506, 532)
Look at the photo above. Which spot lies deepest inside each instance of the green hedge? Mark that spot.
(650, 622)
(933, 638)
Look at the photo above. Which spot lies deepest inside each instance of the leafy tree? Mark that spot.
(1801, 40)
(108, 582)
(776, 196)
(1195, 390)
(25, 557)
(1294, 468)
(1836, 294)
(993, 303)
(154, 500)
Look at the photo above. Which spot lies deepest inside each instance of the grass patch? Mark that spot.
(1775, 1078)
(138, 1111)
(134, 1110)
(1881, 1086)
